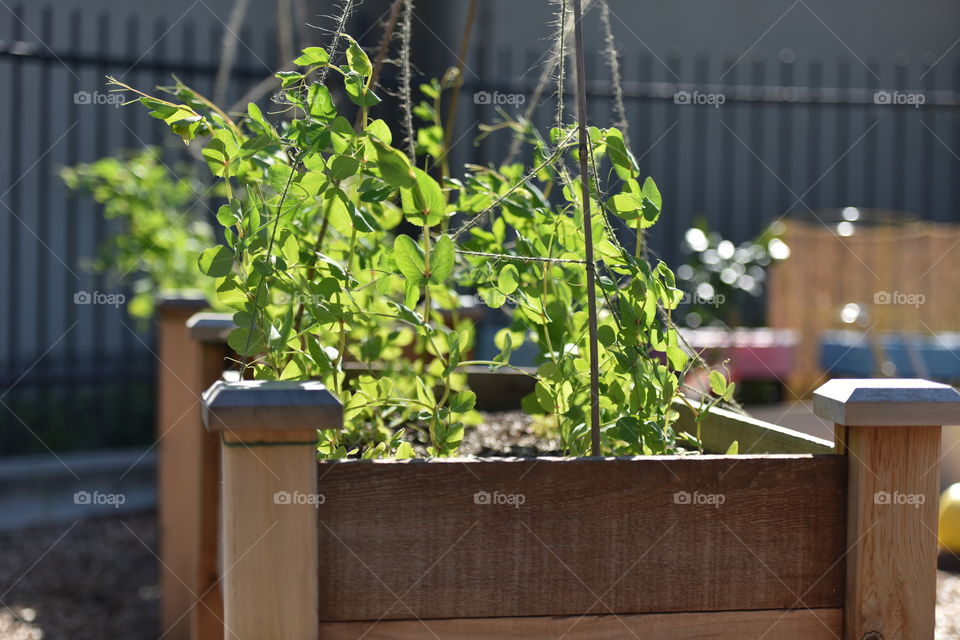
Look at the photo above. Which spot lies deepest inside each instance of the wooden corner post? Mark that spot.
(890, 431)
(269, 503)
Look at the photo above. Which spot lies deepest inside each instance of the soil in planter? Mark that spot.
(507, 433)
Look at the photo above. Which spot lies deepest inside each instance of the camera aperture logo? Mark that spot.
(515, 500)
(699, 499)
(115, 300)
(497, 98)
(96, 498)
(896, 498)
(296, 497)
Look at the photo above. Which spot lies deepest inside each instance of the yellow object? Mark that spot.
(949, 529)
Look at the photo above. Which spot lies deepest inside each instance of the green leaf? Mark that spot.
(229, 214)
(734, 448)
(313, 57)
(409, 258)
(718, 384)
(394, 166)
(246, 342)
(442, 260)
(625, 205)
(508, 280)
(320, 103)
(216, 262)
(220, 152)
(677, 357)
(623, 161)
(342, 167)
(405, 451)
(463, 402)
(289, 78)
(424, 203)
(379, 129)
(357, 60)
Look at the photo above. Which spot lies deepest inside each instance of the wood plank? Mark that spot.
(178, 434)
(207, 619)
(798, 624)
(269, 544)
(408, 540)
(721, 427)
(891, 566)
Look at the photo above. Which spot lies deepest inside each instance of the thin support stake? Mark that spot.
(587, 231)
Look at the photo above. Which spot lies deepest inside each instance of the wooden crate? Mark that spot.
(791, 545)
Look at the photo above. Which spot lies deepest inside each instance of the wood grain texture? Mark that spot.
(402, 540)
(798, 624)
(892, 562)
(179, 383)
(720, 428)
(269, 544)
(207, 619)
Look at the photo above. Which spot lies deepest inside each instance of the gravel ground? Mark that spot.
(91, 580)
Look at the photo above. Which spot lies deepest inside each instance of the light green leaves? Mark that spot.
(357, 60)
(508, 280)
(409, 258)
(313, 57)
(424, 203)
(395, 168)
(216, 262)
(220, 152)
(623, 161)
(320, 104)
(442, 260)
(720, 386)
(635, 203)
(463, 401)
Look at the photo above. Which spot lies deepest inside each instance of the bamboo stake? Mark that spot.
(587, 230)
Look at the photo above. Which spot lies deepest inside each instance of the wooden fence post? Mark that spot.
(209, 333)
(269, 503)
(179, 384)
(890, 431)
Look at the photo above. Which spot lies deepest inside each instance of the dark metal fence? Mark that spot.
(76, 375)
(791, 135)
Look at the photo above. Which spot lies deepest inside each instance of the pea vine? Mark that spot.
(343, 254)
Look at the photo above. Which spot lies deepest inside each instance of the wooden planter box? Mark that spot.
(782, 545)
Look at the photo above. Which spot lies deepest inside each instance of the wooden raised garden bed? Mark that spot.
(752, 546)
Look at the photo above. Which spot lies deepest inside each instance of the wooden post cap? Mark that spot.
(887, 402)
(267, 407)
(211, 328)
